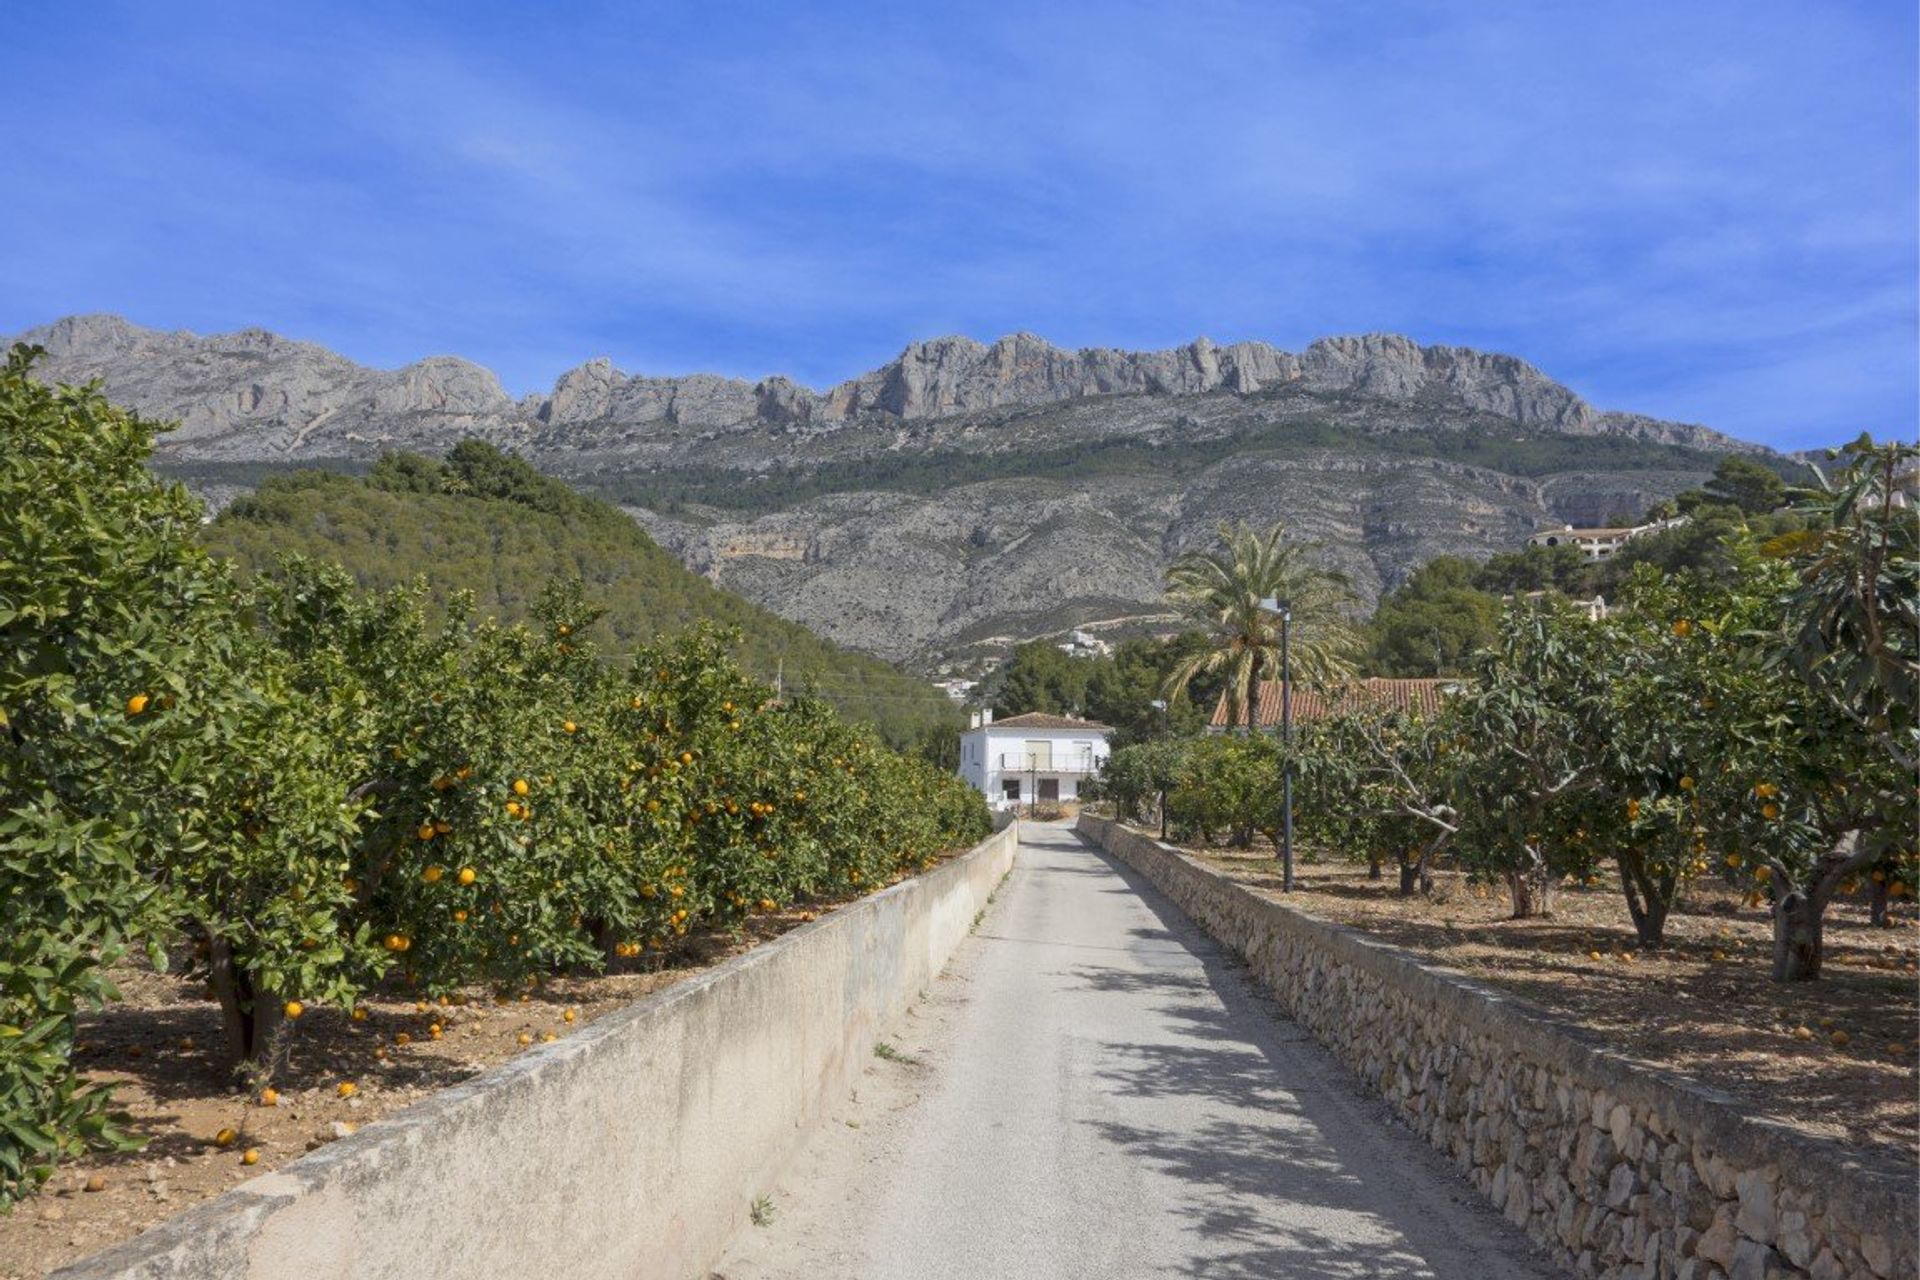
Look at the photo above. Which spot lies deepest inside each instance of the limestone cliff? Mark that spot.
(965, 494)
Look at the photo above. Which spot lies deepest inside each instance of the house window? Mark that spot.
(1010, 788)
(1050, 789)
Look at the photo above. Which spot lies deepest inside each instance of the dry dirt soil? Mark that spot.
(154, 1047)
(1835, 1057)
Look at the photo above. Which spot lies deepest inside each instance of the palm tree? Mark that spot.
(1221, 590)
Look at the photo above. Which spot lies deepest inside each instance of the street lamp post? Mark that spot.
(1285, 611)
(1160, 705)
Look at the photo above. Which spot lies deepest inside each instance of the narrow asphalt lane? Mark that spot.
(1098, 1090)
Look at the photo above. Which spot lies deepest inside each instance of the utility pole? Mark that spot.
(1286, 764)
(1285, 610)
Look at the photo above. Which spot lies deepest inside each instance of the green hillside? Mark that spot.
(488, 523)
(1498, 446)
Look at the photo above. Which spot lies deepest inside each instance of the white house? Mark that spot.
(1029, 758)
(1084, 644)
(1598, 544)
(956, 688)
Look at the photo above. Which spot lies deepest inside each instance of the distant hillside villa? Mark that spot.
(1375, 692)
(1084, 644)
(1598, 544)
(1031, 758)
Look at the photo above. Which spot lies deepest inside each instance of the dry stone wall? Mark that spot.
(1621, 1170)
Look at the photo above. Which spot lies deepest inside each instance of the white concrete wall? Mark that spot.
(633, 1148)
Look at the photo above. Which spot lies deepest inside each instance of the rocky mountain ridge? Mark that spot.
(253, 394)
(964, 496)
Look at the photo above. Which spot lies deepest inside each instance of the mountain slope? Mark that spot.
(964, 495)
(505, 549)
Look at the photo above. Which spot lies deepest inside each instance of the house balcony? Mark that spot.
(1063, 764)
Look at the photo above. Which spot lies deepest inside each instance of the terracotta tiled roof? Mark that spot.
(1041, 720)
(1315, 704)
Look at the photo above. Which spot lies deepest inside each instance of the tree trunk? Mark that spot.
(1373, 865)
(1253, 695)
(1877, 898)
(1645, 903)
(1799, 915)
(1798, 937)
(251, 1019)
(1429, 854)
(1531, 892)
(1411, 870)
(1520, 890)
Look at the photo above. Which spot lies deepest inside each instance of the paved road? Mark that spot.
(1095, 1090)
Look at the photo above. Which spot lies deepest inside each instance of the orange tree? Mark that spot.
(743, 804)
(713, 777)
(254, 865)
(115, 681)
(497, 822)
(536, 810)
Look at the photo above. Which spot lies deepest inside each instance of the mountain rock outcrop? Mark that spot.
(297, 397)
(965, 495)
(256, 395)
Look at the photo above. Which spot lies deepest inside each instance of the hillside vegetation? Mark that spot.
(489, 524)
(1503, 447)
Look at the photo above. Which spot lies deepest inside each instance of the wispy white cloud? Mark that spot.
(1703, 211)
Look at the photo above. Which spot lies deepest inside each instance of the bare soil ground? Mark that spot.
(1835, 1057)
(158, 1048)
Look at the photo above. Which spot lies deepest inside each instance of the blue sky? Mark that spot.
(1704, 211)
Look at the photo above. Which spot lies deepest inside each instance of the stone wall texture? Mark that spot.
(1621, 1170)
(633, 1148)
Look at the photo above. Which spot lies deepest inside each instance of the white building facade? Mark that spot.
(1031, 759)
(1598, 544)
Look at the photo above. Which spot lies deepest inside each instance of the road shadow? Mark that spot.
(1287, 1169)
